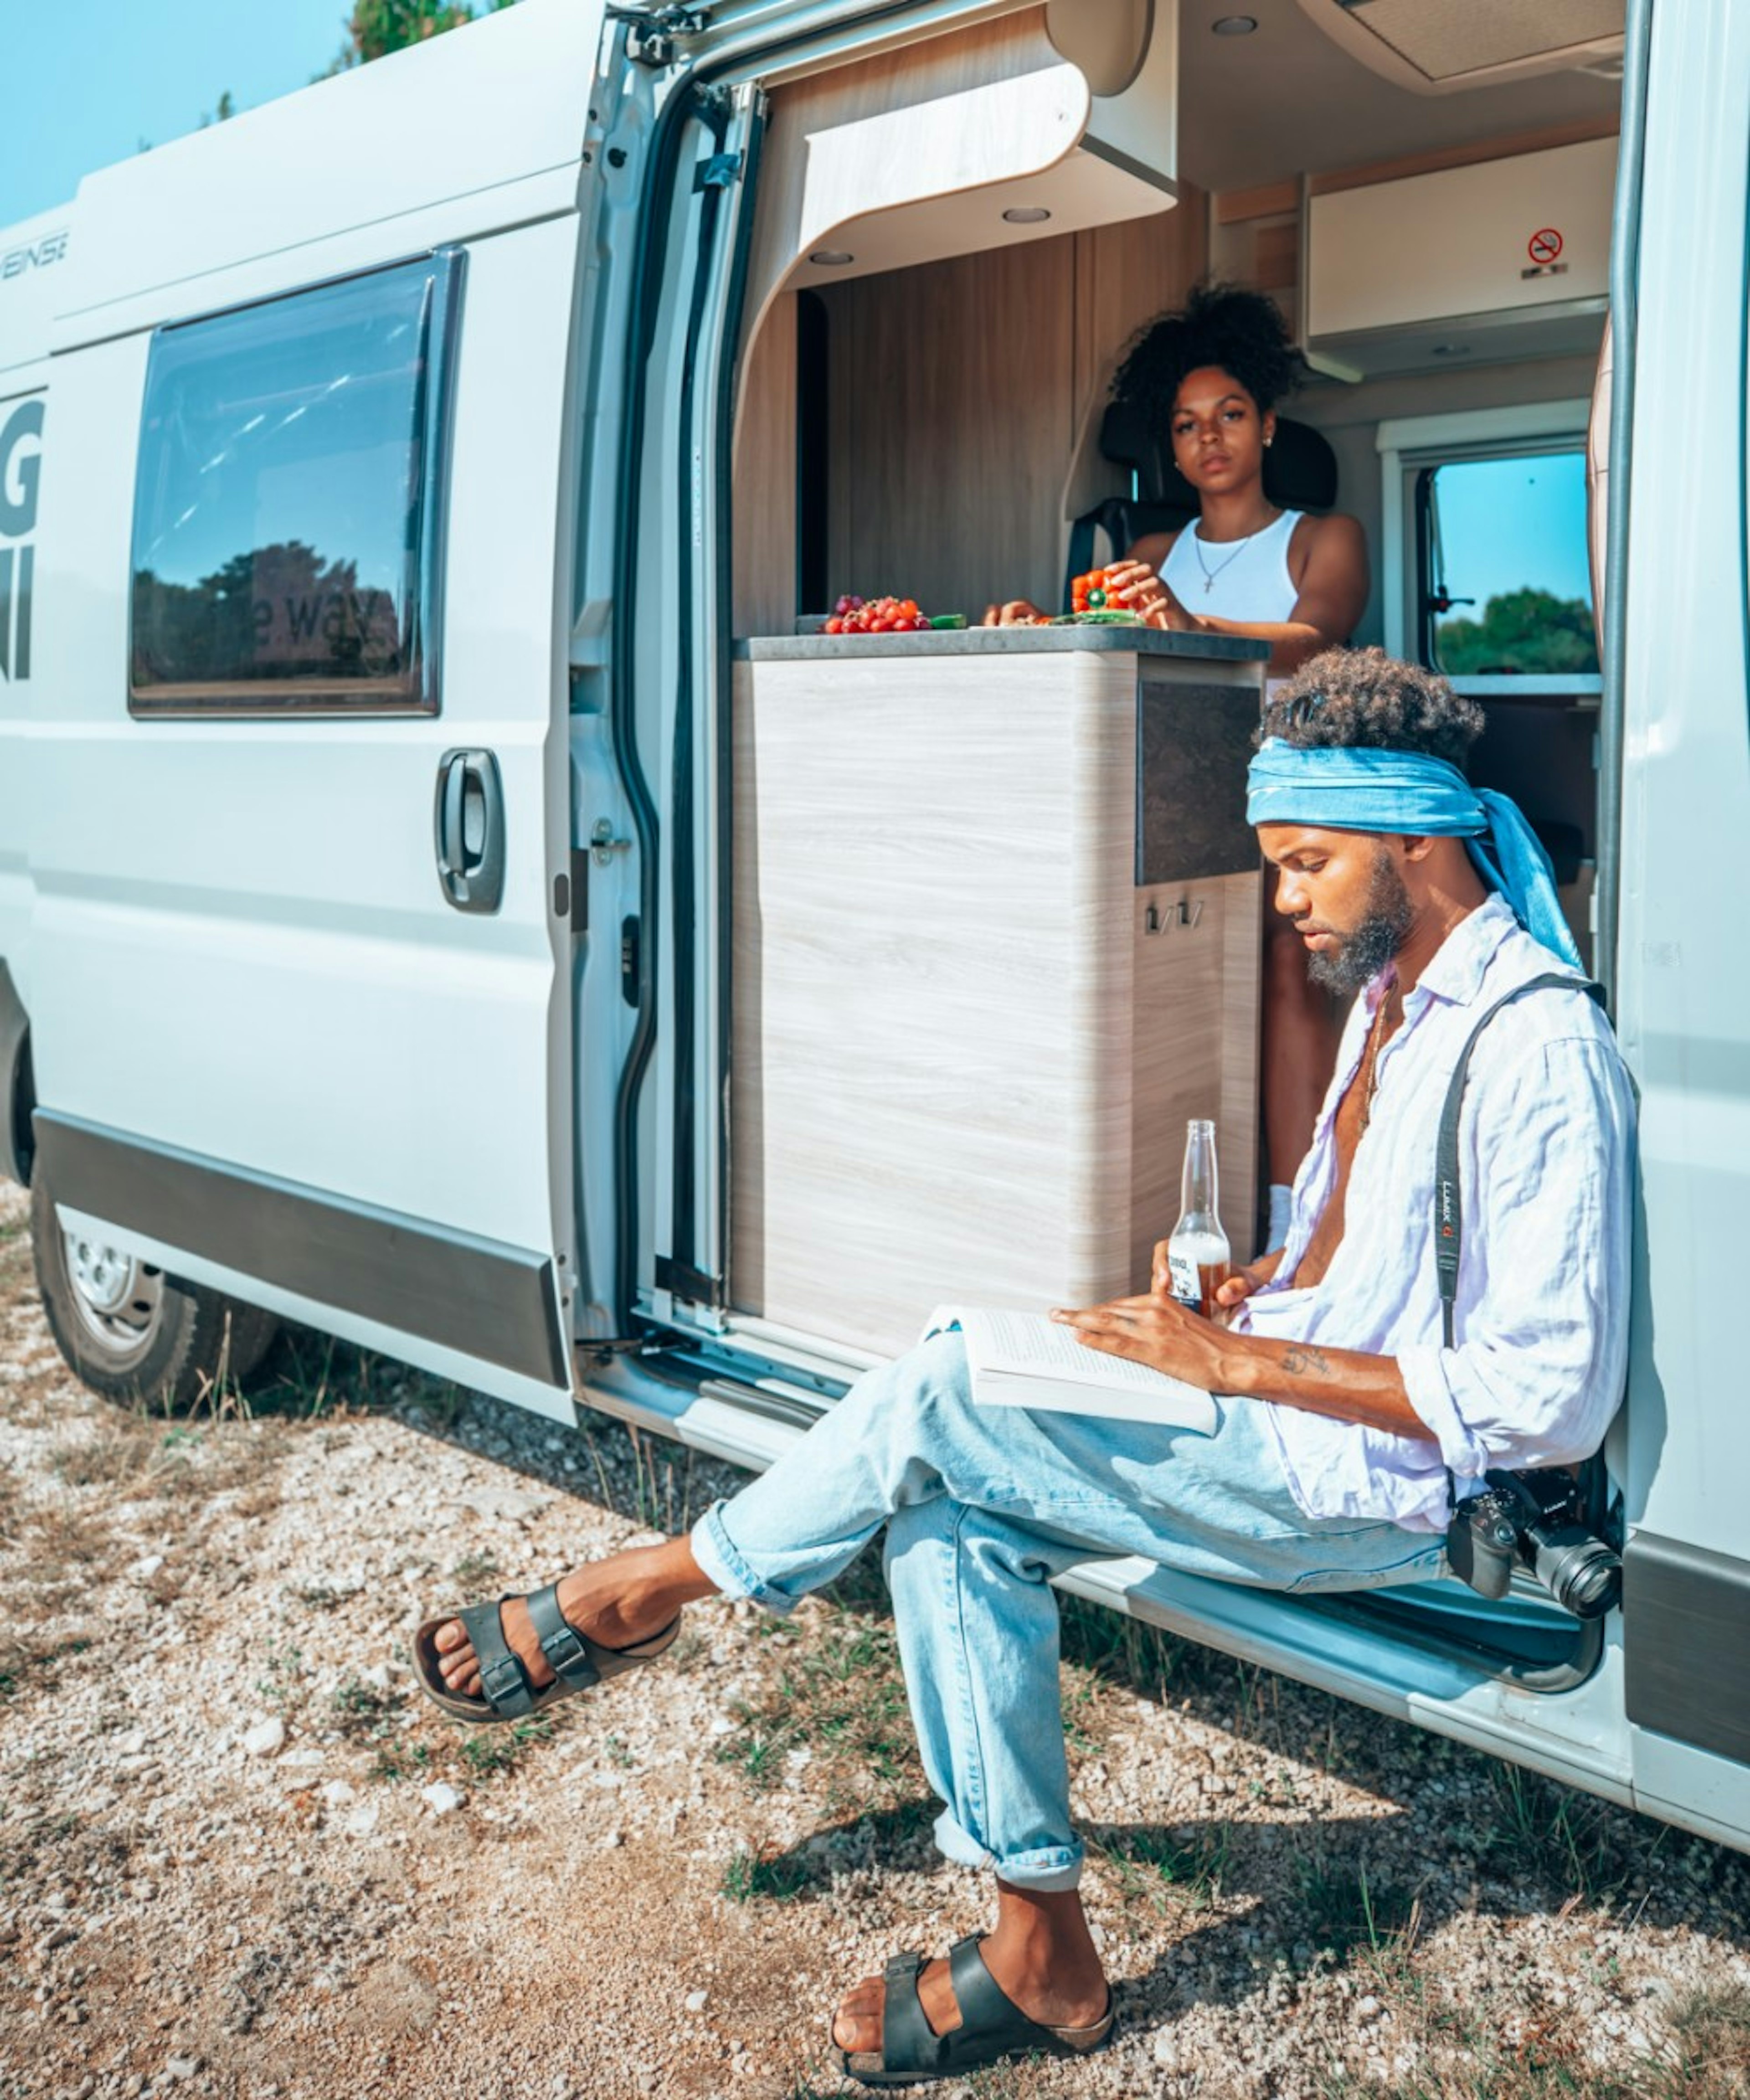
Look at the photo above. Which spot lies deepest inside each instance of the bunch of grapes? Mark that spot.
(880, 616)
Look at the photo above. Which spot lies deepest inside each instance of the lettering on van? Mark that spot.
(38, 255)
(20, 467)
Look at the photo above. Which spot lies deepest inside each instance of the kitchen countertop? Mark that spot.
(1002, 641)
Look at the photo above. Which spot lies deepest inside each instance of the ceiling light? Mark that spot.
(832, 258)
(1234, 25)
(1026, 214)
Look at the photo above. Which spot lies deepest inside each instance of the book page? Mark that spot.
(1030, 1345)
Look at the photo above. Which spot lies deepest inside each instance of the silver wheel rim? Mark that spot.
(117, 1299)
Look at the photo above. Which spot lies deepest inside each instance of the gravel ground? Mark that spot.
(239, 1855)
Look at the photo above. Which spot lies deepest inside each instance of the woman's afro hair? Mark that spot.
(1242, 333)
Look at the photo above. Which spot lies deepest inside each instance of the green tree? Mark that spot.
(377, 27)
(1522, 630)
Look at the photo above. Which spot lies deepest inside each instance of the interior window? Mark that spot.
(285, 521)
(1506, 587)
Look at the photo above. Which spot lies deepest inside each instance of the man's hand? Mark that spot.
(1245, 1278)
(1156, 1330)
(1346, 1385)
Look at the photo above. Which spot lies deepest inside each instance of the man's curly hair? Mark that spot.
(1362, 697)
(1242, 333)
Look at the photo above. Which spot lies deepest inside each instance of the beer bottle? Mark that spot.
(1197, 1255)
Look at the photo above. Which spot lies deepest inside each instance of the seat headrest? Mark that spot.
(1300, 469)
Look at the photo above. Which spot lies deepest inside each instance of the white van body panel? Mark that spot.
(33, 270)
(1683, 1013)
(463, 132)
(284, 867)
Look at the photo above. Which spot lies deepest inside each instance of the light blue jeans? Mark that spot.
(983, 1506)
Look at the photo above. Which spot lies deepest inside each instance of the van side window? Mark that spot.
(1504, 586)
(287, 515)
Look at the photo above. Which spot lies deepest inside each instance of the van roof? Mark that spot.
(33, 262)
(364, 167)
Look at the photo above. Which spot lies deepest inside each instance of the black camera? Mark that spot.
(1536, 1520)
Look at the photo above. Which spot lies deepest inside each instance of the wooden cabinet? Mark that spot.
(996, 941)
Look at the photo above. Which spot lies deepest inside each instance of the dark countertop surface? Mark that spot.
(1002, 641)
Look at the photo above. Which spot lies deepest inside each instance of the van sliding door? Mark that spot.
(301, 1013)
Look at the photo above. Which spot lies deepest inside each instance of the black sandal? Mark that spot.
(992, 2026)
(506, 1693)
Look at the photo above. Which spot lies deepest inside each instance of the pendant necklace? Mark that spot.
(1210, 575)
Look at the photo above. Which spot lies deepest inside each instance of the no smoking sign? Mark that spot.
(1544, 244)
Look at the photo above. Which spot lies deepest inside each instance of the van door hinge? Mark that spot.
(681, 1280)
(654, 31)
(722, 171)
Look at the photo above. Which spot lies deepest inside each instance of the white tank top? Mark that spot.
(1234, 578)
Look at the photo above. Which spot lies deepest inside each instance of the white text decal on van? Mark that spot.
(20, 467)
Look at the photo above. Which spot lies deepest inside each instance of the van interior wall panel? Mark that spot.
(866, 137)
(966, 401)
(763, 501)
(954, 837)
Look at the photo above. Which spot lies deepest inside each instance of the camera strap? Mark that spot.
(1448, 1202)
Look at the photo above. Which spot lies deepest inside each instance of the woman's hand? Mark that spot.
(1138, 590)
(1016, 612)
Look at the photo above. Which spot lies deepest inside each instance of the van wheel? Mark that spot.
(128, 1330)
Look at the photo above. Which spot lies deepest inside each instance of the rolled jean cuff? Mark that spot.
(715, 1553)
(1051, 1870)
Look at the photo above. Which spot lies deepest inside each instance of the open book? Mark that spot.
(1026, 1359)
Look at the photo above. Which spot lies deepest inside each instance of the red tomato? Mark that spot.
(836, 626)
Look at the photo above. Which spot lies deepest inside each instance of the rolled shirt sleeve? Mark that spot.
(1542, 1311)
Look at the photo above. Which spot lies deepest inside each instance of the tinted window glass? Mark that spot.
(285, 521)
(1509, 587)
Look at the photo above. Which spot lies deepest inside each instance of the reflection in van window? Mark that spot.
(283, 515)
(1509, 588)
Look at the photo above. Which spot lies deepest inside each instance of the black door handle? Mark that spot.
(469, 826)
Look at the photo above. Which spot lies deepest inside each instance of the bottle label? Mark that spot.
(1182, 1278)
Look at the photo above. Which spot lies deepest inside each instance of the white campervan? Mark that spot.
(447, 896)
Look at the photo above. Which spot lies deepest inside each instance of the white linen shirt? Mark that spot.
(1546, 1147)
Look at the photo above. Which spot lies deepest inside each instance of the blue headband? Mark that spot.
(1341, 788)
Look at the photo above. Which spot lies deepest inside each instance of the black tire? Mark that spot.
(132, 1333)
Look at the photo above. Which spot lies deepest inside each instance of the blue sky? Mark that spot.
(1508, 523)
(86, 80)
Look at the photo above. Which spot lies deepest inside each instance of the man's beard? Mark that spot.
(1363, 953)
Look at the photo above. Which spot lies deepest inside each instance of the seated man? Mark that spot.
(1346, 1425)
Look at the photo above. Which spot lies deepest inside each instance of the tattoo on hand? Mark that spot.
(1298, 1357)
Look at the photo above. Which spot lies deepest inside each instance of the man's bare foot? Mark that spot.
(1054, 1976)
(620, 1602)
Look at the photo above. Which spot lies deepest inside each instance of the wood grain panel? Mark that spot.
(967, 399)
(1124, 276)
(958, 1068)
(951, 425)
(864, 137)
(765, 485)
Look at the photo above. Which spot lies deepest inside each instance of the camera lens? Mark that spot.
(1579, 1572)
